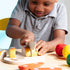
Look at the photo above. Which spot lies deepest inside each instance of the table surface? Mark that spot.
(51, 60)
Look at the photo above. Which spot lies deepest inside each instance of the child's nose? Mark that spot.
(39, 8)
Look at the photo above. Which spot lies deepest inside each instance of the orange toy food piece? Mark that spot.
(27, 51)
(30, 66)
(12, 52)
(46, 69)
(43, 69)
(0, 53)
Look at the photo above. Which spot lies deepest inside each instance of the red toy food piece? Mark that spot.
(59, 49)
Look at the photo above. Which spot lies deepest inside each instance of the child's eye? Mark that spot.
(46, 4)
(34, 2)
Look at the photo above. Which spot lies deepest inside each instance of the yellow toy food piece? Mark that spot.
(28, 52)
(66, 51)
(34, 53)
(12, 53)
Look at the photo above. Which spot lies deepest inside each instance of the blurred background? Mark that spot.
(7, 6)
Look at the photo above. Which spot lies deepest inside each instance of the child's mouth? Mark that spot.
(39, 14)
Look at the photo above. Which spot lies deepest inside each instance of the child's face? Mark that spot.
(41, 7)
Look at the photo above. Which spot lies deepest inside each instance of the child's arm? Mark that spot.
(43, 47)
(15, 32)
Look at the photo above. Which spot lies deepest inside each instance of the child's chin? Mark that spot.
(39, 15)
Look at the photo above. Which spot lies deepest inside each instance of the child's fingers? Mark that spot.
(42, 51)
(39, 46)
(24, 41)
(38, 43)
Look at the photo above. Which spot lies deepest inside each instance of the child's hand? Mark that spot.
(42, 47)
(26, 37)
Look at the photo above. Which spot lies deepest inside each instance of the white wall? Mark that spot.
(6, 8)
(67, 4)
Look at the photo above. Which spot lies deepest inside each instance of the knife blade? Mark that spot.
(32, 46)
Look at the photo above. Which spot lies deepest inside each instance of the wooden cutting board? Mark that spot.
(20, 59)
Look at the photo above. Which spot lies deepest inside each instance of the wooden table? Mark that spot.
(51, 60)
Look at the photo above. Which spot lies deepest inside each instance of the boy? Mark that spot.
(42, 21)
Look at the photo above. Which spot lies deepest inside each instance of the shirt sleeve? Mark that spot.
(61, 19)
(18, 12)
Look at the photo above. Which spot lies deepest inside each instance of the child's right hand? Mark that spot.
(26, 37)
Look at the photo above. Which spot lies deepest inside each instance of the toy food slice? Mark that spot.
(12, 52)
(30, 50)
(27, 51)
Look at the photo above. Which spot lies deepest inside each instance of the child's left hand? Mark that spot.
(42, 47)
